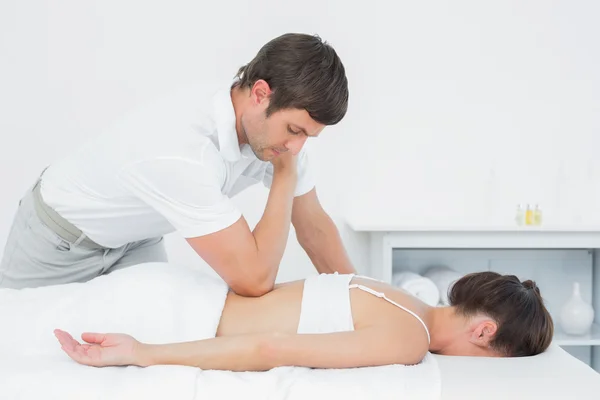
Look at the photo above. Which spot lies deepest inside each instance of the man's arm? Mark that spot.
(187, 191)
(371, 346)
(248, 261)
(318, 235)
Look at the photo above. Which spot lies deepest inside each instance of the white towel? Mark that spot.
(153, 302)
(417, 285)
(443, 277)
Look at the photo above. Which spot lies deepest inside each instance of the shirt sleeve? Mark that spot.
(186, 192)
(305, 175)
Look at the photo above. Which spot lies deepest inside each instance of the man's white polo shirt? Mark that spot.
(170, 165)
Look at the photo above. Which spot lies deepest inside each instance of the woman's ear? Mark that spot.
(483, 332)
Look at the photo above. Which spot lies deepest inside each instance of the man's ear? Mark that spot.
(260, 91)
(483, 332)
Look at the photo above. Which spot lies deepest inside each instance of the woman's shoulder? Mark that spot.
(391, 307)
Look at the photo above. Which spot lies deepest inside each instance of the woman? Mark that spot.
(344, 321)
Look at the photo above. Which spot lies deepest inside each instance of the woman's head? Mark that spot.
(505, 317)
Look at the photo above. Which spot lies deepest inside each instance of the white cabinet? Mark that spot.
(554, 258)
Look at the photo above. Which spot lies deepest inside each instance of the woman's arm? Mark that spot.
(370, 346)
(231, 353)
(361, 348)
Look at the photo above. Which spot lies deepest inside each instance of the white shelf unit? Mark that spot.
(590, 339)
(386, 237)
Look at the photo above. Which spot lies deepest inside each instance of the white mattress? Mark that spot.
(554, 374)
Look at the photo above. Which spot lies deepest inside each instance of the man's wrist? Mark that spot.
(285, 171)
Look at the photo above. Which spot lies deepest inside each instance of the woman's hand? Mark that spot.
(103, 350)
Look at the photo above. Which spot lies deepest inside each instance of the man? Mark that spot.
(173, 165)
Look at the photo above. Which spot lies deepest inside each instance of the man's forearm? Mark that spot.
(322, 242)
(272, 231)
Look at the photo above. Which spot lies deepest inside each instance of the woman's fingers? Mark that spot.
(74, 351)
(65, 339)
(94, 338)
(73, 348)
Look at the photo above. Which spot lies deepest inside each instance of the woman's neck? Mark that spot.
(444, 325)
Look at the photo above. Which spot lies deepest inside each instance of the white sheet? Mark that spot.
(53, 378)
(393, 382)
(154, 302)
(162, 303)
(554, 374)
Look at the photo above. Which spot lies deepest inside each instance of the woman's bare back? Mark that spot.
(279, 310)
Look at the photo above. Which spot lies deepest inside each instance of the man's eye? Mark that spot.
(290, 130)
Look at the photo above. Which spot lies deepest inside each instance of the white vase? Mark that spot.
(576, 315)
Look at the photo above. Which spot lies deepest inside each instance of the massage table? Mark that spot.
(158, 303)
(554, 374)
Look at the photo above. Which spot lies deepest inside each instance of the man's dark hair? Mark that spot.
(303, 72)
(525, 327)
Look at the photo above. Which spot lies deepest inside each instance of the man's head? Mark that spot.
(292, 89)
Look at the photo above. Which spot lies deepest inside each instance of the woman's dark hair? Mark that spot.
(304, 73)
(525, 327)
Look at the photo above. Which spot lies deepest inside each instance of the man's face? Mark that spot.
(284, 130)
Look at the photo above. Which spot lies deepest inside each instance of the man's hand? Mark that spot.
(103, 349)
(285, 163)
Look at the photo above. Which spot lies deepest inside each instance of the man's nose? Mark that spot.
(296, 144)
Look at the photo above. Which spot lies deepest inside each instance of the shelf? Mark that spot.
(590, 339)
(371, 225)
(367, 222)
(557, 237)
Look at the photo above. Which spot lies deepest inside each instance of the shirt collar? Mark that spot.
(229, 145)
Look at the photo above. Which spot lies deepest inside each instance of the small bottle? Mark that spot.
(519, 217)
(528, 216)
(537, 215)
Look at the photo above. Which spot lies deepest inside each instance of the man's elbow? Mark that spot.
(251, 290)
(252, 287)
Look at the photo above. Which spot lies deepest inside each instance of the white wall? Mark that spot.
(439, 94)
(483, 104)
